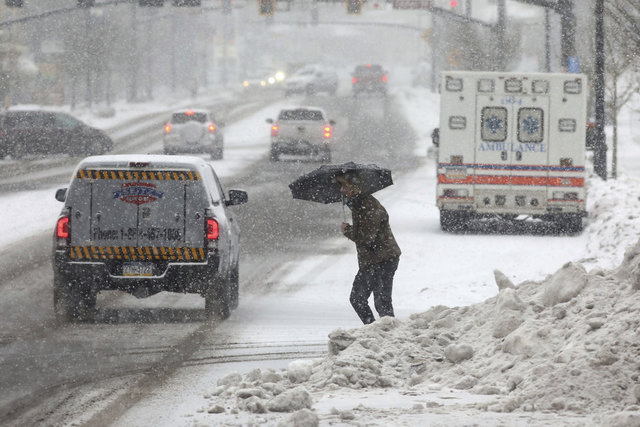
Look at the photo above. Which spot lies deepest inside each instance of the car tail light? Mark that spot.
(354, 80)
(384, 79)
(167, 128)
(274, 130)
(327, 132)
(213, 229)
(62, 232)
(212, 127)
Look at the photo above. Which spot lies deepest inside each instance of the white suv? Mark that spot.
(311, 80)
(194, 131)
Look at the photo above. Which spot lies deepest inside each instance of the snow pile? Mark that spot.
(568, 343)
(614, 217)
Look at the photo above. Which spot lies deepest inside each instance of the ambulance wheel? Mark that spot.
(570, 224)
(453, 221)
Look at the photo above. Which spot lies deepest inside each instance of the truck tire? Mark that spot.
(234, 291)
(216, 301)
(326, 156)
(453, 221)
(275, 155)
(72, 302)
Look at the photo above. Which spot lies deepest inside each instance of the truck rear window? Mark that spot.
(180, 118)
(366, 71)
(301, 115)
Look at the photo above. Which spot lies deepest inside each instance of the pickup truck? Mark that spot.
(302, 131)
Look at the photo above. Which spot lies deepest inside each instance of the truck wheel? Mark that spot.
(72, 302)
(216, 301)
(275, 155)
(234, 285)
(326, 156)
(453, 221)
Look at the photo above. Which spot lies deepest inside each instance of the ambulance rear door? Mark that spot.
(511, 152)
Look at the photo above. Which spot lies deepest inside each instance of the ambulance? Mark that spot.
(512, 145)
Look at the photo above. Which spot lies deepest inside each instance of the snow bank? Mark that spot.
(567, 344)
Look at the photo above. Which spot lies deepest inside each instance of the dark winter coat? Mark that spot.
(371, 231)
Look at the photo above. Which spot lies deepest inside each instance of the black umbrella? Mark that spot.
(320, 185)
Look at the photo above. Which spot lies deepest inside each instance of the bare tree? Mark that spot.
(622, 42)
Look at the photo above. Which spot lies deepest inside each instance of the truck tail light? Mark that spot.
(62, 232)
(354, 80)
(327, 132)
(213, 229)
(167, 128)
(211, 127)
(274, 130)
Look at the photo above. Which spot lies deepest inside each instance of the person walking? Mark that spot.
(378, 252)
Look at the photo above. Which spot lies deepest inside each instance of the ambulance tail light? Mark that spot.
(62, 232)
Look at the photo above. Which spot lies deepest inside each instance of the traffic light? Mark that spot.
(151, 3)
(13, 3)
(86, 3)
(266, 7)
(187, 3)
(354, 6)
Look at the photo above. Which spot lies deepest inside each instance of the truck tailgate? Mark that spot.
(132, 215)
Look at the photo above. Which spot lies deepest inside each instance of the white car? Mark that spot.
(194, 131)
(311, 80)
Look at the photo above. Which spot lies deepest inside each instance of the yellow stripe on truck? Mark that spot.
(109, 174)
(137, 253)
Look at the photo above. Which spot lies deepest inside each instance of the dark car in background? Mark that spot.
(26, 132)
(369, 78)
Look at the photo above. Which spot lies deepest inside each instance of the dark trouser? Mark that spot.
(376, 279)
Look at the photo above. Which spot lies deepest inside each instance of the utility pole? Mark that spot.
(87, 55)
(434, 40)
(500, 30)
(133, 89)
(600, 147)
(547, 40)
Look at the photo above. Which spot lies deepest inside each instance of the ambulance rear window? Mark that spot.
(494, 124)
(453, 84)
(530, 125)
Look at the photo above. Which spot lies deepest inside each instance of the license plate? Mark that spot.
(137, 269)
